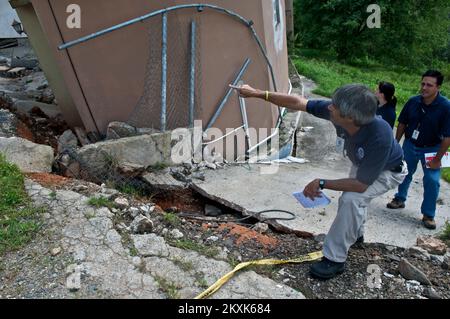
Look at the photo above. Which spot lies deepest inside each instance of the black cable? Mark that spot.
(239, 220)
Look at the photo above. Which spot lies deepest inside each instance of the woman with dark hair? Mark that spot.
(387, 102)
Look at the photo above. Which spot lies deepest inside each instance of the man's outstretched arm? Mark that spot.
(293, 102)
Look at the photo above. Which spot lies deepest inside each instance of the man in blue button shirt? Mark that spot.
(376, 156)
(425, 122)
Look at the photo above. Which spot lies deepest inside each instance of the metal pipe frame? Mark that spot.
(228, 94)
(164, 74)
(200, 8)
(192, 75)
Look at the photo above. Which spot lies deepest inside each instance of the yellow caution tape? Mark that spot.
(219, 283)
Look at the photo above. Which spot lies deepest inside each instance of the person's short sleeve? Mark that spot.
(319, 108)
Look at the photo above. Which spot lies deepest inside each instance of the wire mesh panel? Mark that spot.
(147, 112)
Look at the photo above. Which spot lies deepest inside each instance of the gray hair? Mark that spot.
(356, 101)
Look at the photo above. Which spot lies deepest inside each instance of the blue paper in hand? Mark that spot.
(308, 203)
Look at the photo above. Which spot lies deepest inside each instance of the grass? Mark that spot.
(446, 174)
(445, 233)
(187, 244)
(19, 220)
(169, 288)
(158, 166)
(131, 190)
(330, 74)
(184, 265)
(172, 219)
(100, 202)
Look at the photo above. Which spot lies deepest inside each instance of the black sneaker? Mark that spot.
(326, 269)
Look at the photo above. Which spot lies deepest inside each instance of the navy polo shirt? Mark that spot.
(372, 149)
(387, 112)
(432, 121)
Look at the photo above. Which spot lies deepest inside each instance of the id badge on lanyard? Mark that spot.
(416, 132)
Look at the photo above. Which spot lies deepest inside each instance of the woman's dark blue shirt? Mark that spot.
(387, 112)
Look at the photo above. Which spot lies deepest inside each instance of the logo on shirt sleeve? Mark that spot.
(360, 153)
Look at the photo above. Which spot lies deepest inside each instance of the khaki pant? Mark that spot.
(348, 225)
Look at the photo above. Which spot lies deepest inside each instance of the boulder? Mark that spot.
(25, 108)
(117, 130)
(432, 245)
(67, 140)
(410, 272)
(28, 156)
(141, 225)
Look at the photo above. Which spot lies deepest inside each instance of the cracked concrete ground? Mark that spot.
(96, 260)
(274, 191)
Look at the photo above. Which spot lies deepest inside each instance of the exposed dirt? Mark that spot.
(48, 180)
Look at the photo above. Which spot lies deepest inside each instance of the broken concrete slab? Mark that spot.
(145, 150)
(163, 181)
(28, 156)
(25, 108)
(249, 189)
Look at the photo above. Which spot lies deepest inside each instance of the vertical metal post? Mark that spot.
(228, 94)
(192, 75)
(164, 74)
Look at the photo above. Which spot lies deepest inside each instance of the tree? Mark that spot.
(412, 32)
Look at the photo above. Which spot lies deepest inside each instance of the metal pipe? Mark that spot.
(148, 16)
(192, 75)
(245, 121)
(164, 74)
(228, 94)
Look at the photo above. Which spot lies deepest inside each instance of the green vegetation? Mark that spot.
(446, 174)
(330, 74)
(445, 234)
(130, 190)
(169, 288)
(172, 219)
(192, 245)
(19, 220)
(158, 166)
(184, 265)
(412, 33)
(100, 202)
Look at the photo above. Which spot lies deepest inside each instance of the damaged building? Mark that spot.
(160, 64)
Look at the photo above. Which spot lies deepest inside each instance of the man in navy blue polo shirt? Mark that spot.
(376, 156)
(425, 122)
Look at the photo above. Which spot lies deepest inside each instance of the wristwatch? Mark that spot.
(321, 183)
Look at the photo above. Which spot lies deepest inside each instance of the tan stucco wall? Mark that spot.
(105, 76)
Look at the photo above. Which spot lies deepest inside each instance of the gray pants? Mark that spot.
(348, 225)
